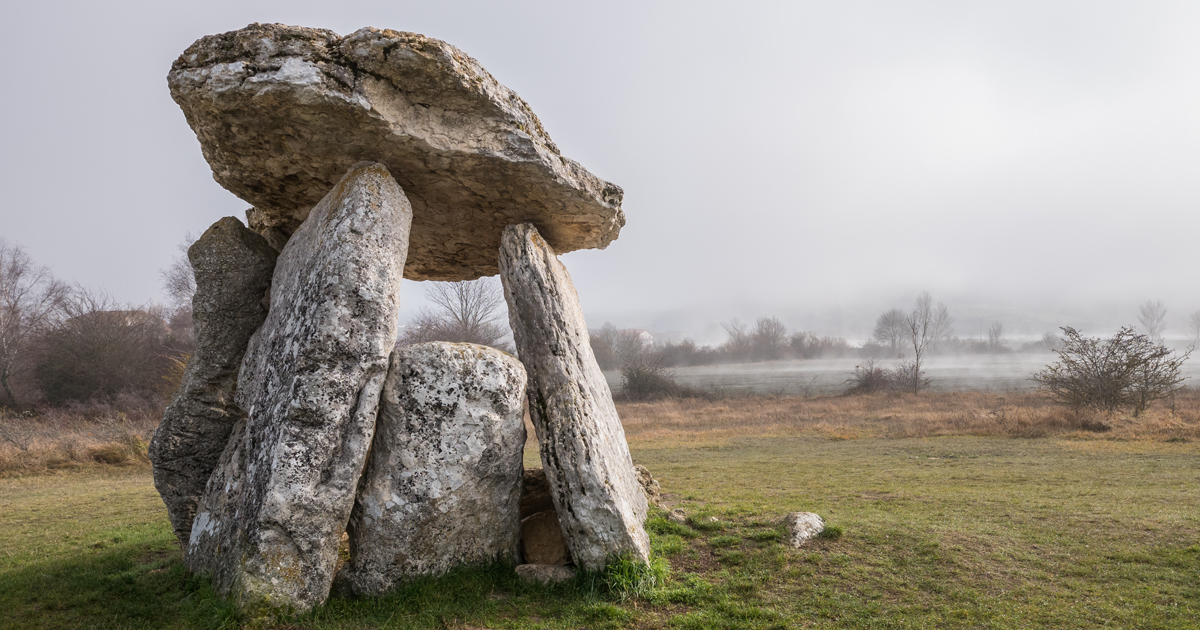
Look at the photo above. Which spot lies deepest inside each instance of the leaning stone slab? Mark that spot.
(594, 486)
(233, 268)
(803, 527)
(281, 112)
(443, 485)
(273, 512)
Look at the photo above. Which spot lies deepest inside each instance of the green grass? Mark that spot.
(935, 533)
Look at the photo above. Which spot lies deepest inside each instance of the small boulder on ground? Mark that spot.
(677, 516)
(545, 573)
(542, 539)
(803, 527)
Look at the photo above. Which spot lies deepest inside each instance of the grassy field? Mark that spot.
(942, 528)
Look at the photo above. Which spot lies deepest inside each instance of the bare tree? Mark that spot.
(769, 339)
(465, 312)
(1152, 316)
(996, 336)
(738, 344)
(891, 329)
(179, 283)
(30, 300)
(1194, 328)
(927, 325)
(178, 278)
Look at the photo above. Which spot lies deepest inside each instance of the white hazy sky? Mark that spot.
(1033, 162)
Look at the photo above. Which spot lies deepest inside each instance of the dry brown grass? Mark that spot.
(903, 416)
(77, 435)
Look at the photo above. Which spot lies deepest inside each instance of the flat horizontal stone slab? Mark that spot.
(282, 112)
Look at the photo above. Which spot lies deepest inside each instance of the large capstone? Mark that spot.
(593, 484)
(274, 510)
(443, 485)
(282, 112)
(232, 266)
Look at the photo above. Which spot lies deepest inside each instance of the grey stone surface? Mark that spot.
(281, 112)
(594, 486)
(535, 493)
(545, 573)
(803, 527)
(677, 516)
(542, 540)
(649, 485)
(272, 514)
(233, 268)
(443, 484)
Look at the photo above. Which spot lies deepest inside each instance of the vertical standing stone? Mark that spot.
(443, 485)
(594, 487)
(233, 268)
(269, 525)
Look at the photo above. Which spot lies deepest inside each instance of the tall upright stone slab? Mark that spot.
(594, 486)
(273, 512)
(233, 266)
(443, 485)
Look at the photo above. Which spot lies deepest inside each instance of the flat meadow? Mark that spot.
(946, 510)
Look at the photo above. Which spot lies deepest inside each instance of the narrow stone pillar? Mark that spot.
(233, 268)
(443, 484)
(593, 483)
(273, 513)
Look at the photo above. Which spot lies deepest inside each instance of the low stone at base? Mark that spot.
(545, 573)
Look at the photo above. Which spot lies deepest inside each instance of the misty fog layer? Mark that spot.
(1027, 162)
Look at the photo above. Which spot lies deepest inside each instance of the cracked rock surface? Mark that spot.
(443, 485)
(272, 515)
(281, 112)
(593, 484)
(233, 268)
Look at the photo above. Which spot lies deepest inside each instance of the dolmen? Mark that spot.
(370, 158)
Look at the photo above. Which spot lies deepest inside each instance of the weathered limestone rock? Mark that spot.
(443, 484)
(535, 493)
(545, 573)
(269, 524)
(282, 112)
(542, 540)
(677, 516)
(595, 489)
(233, 268)
(649, 485)
(803, 527)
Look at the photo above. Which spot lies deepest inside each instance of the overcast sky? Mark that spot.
(1033, 162)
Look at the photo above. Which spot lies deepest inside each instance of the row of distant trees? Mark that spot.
(767, 340)
(61, 343)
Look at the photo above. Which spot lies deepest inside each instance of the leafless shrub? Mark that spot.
(1128, 370)
(868, 378)
(100, 350)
